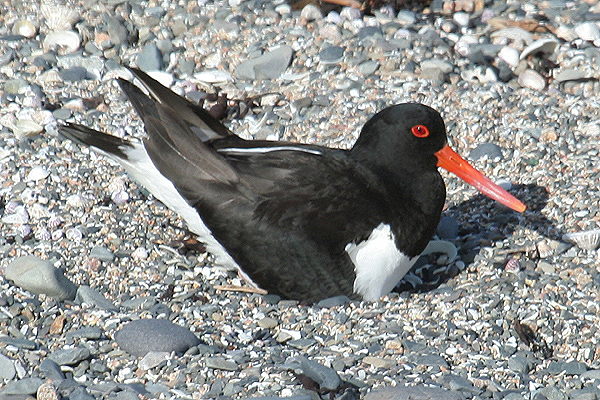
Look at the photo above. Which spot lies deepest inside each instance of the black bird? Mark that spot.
(302, 221)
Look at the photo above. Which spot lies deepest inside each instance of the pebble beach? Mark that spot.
(104, 294)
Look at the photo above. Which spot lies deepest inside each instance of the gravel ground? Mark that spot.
(86, 253)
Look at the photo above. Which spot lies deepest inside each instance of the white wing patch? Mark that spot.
(378, 263)
(139, 166)
(262, 150)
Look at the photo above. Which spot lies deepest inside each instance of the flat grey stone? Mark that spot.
(332, 54)
(400, 392)
(71, 356)
(23, 386)
(40, 277)
(88, 332)
(7, 368)
(102, 253)
(51, 370)
(334, 301)
(269, 65)
(221, 363)
(88, 295)
(144, 335)
(150, 58)
(326, 377)
(447, 228)
(490, 150)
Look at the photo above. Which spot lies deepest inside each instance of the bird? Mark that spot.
(302, 221)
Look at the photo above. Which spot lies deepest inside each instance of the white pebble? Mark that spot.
(37, 174)
(509, 55)
(587, 31)
(532, 80)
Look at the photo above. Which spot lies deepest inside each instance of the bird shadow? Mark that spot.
(484, 223)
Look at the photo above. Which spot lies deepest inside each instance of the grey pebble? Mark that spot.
(51, 370)
(520, 363)
(80, 393)
(70, 356)
(447, 228)
(491, 151)
(298, 397)
(116, 30)
(89, 332)
(23, 386)
(40, 277)
(331, 54)
(73, 74)
(102, 254)
(326, 377)
(436, 63)
(368, 67)
(221, 363)
(334, 301)
(144, 335)
(7, 368)
(150, 58)
(458, 383)
(88, 295)
(18, 342)
(153, 359)
(270, 65)
(401, 392)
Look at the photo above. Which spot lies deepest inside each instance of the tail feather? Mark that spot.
(202, 123)
(91, 137)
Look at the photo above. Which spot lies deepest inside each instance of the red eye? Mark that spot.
(420, 131)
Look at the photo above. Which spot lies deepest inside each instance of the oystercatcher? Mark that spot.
(302, 221)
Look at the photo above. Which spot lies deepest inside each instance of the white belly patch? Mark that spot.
(378, 263)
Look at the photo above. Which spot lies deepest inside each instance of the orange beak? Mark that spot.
(451, 161)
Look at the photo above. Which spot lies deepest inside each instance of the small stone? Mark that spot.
(90, 296)
(587, 31)
(102, 253)
(447, 228)
(221, 363)
(401, 392)
(73, 74)
(461, 18)
(51, 370)
(270, 65)
(23, 386)
(153, 359)
(267, 323)
(144, 335)
(368, 67)
(510, 56)
(379, 362)
(327, 378)
(311, 12)
(490, 151)
(406, 17)
(570, 74)
(27, 128)
(40, 277)
(150, 58)
(531, 79)
(331, 54)
(37, 174)
(435, 63)
(70, 356)
(7, 368)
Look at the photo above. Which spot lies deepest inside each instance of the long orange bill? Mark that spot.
(451, 161)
